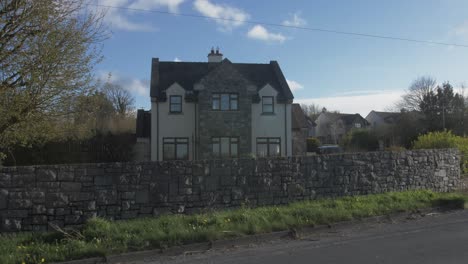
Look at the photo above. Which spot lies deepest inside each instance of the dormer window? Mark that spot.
(175, 104)
(357, 125)
(225, 101)
(268, 106)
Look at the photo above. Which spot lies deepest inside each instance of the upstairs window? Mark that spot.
(268, 106)
(268, 147)
(357, 125)
(175, 104)
(225, 101)
(225, 147)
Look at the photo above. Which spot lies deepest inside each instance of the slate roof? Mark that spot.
(389, 117)
(348, 119)
(299, 119)
(186, 74)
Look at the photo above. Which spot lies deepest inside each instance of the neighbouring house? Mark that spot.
(300, 130)
(217, 109)
(332, 127)
(382, 119)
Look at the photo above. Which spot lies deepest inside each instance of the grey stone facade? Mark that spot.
(213, 123)
(33, 197)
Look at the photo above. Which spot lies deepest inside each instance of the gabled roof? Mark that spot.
(187, 74)
(389, 117)
(299, 119)
(348, 119)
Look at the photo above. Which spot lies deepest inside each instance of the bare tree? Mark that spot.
(48, 49)
(121, 99)
(419, 88)
(311, 110)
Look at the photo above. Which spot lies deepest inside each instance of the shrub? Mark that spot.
(313, 144)
(360, 140)
(444, 139)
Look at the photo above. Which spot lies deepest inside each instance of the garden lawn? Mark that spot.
(99, 237)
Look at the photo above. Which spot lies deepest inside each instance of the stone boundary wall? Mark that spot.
(32, 197)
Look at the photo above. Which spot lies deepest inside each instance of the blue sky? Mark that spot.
(341, 72)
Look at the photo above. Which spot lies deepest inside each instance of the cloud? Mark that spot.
(362, 104)
(295, 21)
(124, 19)
(171, 5)
(294, 85)
(261, 33)
(461, 30)
(177, 59)
(135, 86)
(235, 17)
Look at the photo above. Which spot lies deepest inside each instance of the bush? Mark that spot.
(360, 140)
(444, 139)
(313, 144)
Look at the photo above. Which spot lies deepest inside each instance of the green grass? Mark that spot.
(100, 237)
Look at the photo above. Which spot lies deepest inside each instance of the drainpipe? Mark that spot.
(157, 130)
(285, 131)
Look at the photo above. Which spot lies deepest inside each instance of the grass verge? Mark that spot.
(100, 237)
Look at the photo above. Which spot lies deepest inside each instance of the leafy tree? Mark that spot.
(444, 109)
(47, 52)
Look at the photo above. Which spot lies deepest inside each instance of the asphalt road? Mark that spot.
(433, 238)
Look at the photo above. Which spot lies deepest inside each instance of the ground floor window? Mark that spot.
(175, 148)
(268, 147)
(225, 147)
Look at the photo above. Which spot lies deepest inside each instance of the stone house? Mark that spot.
(219, 109)
(332, 127)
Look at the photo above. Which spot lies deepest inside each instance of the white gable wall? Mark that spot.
(268, 125)
(171, 125)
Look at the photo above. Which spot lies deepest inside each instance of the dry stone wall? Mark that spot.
(32, 198)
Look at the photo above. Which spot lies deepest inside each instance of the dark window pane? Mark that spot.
(168, 140)
(268, 100)
(224, 146)
(234, 150)
(275, 140)
(262, 140)
(224, 101)
(275, 150)
(168, 151)
(234, 139)
(182, 151)
(262, 150)
(215, 104)
(176, 99)
(176, 108)
(234, 104)
(216, 149)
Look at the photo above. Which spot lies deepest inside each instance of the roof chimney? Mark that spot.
(215, 56)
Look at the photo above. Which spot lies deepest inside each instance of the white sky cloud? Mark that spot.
(362, 104)
(461, 30)
(294, 85)
(177, 59)
(207, 8)
(171, 5)
(295, 20)
(261, 33)
(136, 87)
(123, 19)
